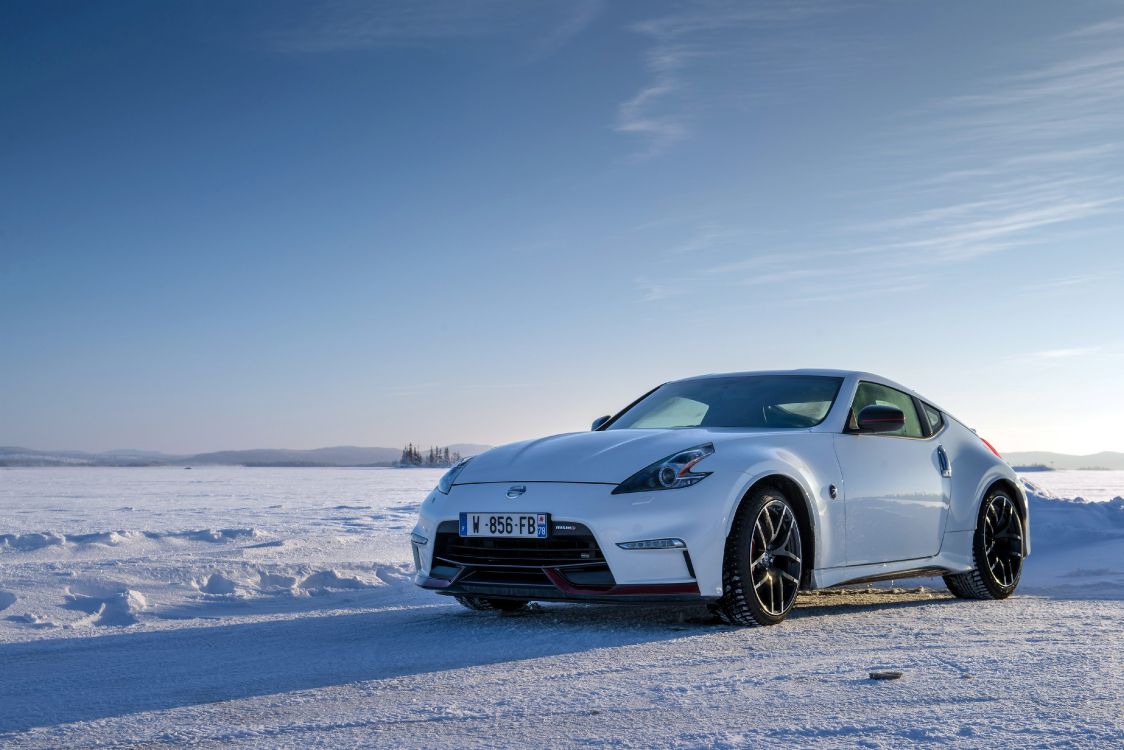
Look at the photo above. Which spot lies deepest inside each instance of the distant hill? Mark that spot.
(12, 456)
(138, 454)
(351, 455)
(1102, 460)
(343, 455)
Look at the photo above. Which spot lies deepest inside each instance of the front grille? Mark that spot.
(488, 560)
(507, 576)
(563, 548)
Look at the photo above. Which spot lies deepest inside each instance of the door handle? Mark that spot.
(942, 458)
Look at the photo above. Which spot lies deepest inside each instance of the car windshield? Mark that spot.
(775, 401)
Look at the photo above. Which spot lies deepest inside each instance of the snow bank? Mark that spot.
(251, 581)
(104, 603)
(33, 541)
(1077, 546)
(27, 542)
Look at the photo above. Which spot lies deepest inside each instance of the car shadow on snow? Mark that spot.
(55, 681)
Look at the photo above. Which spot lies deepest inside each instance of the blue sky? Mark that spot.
(229, 225)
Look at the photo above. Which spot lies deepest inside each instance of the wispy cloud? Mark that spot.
(1045, 145)
(342, 25)
(965, 231)
(1012, 163)
(639, 116)
(705, 239)
(1062, 285)
(349, 25)
(652, 290)
(579, 15)
(660, 113)
(1079, 95)
(1032, 158)
(1109, 26)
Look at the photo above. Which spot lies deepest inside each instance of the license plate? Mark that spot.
(516, 525)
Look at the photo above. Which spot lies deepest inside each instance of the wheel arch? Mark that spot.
(802, 506)
(1012, 488)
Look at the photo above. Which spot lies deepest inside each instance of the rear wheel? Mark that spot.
(997, 548)
(763, 562)
(487, 604)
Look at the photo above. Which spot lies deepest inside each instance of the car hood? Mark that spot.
(607, 457)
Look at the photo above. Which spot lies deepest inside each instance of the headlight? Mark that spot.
(446, 482)
(671, 473)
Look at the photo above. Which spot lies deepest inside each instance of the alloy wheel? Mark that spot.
(1003, 540)
(775, 557)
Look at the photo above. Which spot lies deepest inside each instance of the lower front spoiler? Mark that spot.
(563, 590)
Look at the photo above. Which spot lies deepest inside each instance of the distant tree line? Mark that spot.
(412, 455)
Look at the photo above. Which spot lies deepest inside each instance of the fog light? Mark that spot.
(419, 539)
(654, 544)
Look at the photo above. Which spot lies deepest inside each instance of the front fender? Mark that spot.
(812, 468)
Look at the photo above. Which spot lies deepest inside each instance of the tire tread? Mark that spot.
(734, 608)
(971, 584)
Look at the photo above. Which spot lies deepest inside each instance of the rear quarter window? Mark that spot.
(933, 417)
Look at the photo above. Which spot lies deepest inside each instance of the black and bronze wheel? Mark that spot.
(997, 548)
(763, 563)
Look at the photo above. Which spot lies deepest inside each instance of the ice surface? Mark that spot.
(1088, 485)
(273, 608)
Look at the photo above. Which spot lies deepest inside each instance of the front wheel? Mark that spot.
(997, 548)
(763, 563)
(487, 604)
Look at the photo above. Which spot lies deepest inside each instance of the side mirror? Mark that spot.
(878, 418)
(597, 423)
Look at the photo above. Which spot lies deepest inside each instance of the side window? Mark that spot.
(873, 393)
(936, 421)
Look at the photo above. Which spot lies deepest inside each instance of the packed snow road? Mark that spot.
(146, 608)
(1028, 672)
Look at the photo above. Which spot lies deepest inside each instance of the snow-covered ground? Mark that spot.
(272, 608)
(1088, 485)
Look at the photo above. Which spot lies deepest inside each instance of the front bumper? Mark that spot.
(581, 560)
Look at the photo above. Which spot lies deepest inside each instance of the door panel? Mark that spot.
(896, 499)
(896, 494)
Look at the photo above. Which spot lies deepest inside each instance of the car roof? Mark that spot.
(861, 375)
(805, 371)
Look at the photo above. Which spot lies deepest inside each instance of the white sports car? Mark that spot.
(738, 490)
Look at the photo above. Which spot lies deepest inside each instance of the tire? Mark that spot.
(486, 604)
(763, 563)
(996, 550)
